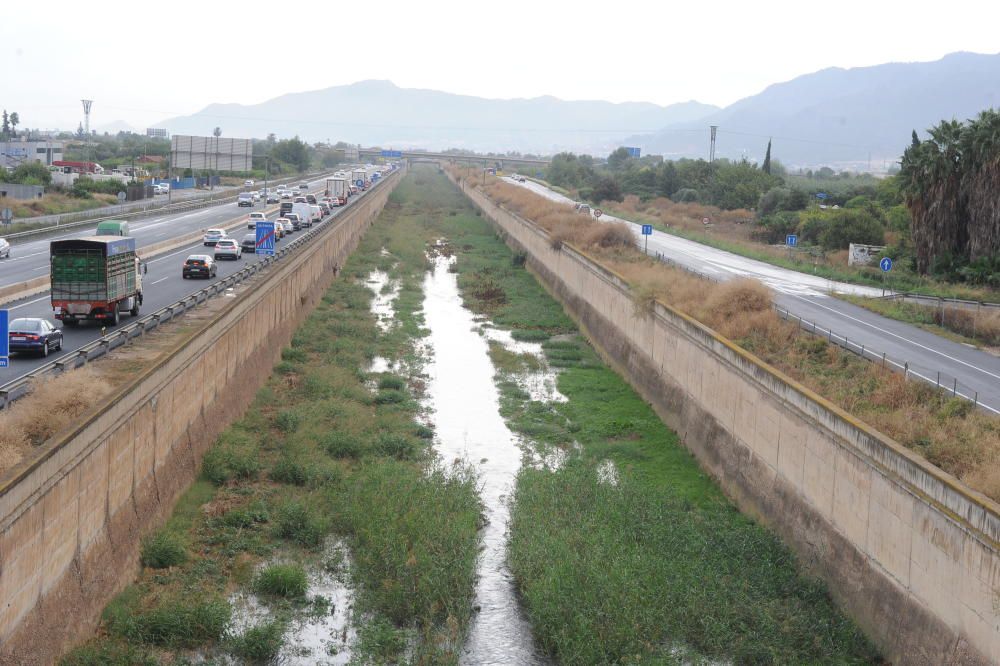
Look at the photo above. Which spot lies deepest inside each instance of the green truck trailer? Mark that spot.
(95, 279)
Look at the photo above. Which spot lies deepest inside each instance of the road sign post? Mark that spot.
(791, 241)
(886, 265)
(265, 238)
(6, 215)
(4, 338)
(647, 231)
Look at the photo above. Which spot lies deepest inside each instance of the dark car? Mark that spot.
(296, 222)
(310, 198)
(325, 207)
(199, 265)
(273, 197)
(34, 335)
(249, 243)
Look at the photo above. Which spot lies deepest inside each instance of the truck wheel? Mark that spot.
(116, 316)
(135, 308)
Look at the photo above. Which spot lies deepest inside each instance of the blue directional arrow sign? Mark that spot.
(265, 238)
(4, 338)
(885, 264)
(791, 240)
(647, 230)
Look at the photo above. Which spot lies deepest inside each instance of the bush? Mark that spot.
(340, 446)
(394, 446)
(174, 622)
(848, 226)
(163, 550)
(31, 173)
(686, 195)
(300, 523)
(287, 421)
(260, 644)
(390, 397)
(282, 580)
(234, 456)
(774, 228)
(290, 471)
(391, 382)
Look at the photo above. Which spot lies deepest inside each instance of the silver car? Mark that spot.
(4, 249)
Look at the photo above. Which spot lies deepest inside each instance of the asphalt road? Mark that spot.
(931, 357)
(162, 284)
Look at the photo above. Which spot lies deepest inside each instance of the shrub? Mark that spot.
(391, 382)
(390, 397)
(394, 446)
(282, 580)
(848, 226)
(162, 550)
(340, 445)
(290, 471)
(300, 523)
(174, 622)
(260, 644)
(287, 421)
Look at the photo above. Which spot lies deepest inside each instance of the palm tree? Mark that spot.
(980, 183)
(931, 180)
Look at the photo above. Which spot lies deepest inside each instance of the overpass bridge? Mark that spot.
(458, 157)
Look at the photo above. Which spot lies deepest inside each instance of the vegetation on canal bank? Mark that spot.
(653, 565)
(317, 456)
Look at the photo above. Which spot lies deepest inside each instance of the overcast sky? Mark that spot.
(144, 62)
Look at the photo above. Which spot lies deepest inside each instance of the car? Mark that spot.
(256, 196)
(353, 189)
(4, 249)
(303, 186)
(247, 183)
(245, 199)
(199, 265)
(520, 179)
(300, 200)
(254, 218)
(161, 188)
(294, 219)
(33, 334)
(283, 227)
(228, 248)
(286, 194)
(213, 236)
(325, 207)
(249, 242)
(273, 197)
(310, 198)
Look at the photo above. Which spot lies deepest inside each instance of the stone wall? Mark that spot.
(71, 518)
(906, 549)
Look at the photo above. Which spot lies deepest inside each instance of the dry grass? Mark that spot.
(53, 405)
(948, 433)
(55, 202)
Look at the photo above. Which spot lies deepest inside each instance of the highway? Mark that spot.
(931, 357)
(162, 284)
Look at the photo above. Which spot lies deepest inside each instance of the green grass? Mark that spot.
(660, 568)
(162, 550)
(260, 644)
(282, 580)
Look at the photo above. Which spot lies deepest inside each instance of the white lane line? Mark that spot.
(900, 337)
(160, 280)
(26, 303)
(180, 251)
(40, 268)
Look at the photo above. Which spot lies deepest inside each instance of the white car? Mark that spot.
(286, 225)
(254, 219)
(213, 236)
(161, 188)
(256, 196)
(4, 249)
(228, 248)
(247, 183)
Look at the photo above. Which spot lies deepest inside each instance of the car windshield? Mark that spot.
(19, 325)
(197, 259)
(226, 241)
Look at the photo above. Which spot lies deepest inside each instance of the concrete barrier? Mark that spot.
(906, 549)
(71, 517)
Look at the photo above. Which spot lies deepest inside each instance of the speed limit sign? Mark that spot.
(598, 212)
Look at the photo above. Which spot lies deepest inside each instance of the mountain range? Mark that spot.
(834, 115)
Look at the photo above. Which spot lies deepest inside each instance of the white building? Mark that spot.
(13, 153)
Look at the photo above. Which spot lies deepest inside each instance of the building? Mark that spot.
(16, 191)
(156, 132)
(15, 153)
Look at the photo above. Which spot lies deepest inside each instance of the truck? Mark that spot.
(95, 279)
(338, 188)
(359, 177)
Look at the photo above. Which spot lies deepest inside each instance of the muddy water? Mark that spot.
(465, 406)
(385, 291)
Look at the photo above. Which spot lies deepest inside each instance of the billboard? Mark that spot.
(214, 153)
(633, 152)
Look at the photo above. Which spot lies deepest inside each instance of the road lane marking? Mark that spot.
(160, 280)
(14, 307)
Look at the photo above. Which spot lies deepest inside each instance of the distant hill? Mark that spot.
(840, 115)
(381, 113)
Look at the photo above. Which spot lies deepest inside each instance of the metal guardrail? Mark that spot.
(122, 335)
(941, 380)
(940, 302)
(156, 208)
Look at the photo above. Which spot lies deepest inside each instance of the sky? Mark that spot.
(145, 62)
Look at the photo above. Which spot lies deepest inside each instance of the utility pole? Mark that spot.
(86, 128)
(711, 150)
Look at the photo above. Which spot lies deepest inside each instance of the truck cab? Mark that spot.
(112, 228)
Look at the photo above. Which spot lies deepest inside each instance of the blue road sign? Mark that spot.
(4, 338)
(359, 182)
(633, 152)
(265, 238)
(791, 240)
(647, 230)
(392, 153)
(822, 195)
(885, 264)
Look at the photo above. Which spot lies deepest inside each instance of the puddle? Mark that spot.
(321, 635)
(465, 405)
(539, 384)
(380, 364)
(607, 473)
(385, 291)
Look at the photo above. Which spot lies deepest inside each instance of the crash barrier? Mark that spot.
(906, 549)
(72, 516)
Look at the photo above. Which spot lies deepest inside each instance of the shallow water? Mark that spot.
(385, 291)
(465, 405)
